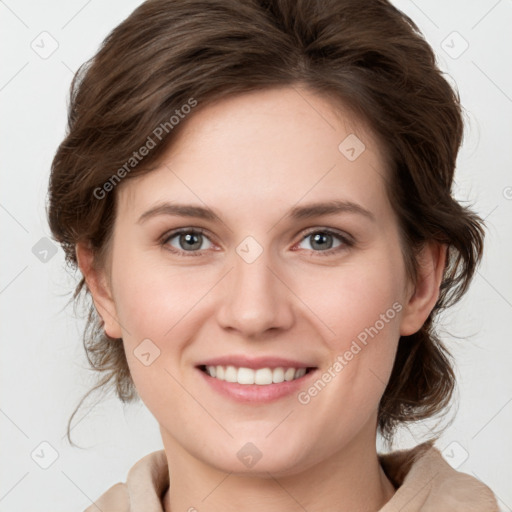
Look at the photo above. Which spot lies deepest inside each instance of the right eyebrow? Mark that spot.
(180, 210)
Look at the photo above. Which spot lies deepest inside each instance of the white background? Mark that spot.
(43, 368)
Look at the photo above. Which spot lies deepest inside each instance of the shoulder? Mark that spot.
(425, 481)
(146, 483)
(115, 499)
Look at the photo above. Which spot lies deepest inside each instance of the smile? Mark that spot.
(249, 376)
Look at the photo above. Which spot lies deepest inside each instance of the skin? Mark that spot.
(251, 158)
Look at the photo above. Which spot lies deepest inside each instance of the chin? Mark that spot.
(258, 457)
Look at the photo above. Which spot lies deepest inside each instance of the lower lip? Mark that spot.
(255, 393)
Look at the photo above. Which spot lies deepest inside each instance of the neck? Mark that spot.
(349, 480)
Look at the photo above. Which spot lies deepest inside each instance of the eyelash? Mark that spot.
(347, 241)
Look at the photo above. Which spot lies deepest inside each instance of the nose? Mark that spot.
(256, 298)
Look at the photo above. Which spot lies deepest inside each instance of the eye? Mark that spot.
(190, 241)
(322, 241)
(186, 241)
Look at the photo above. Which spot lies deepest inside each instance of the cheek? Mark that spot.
(151, 298)
(359, 298)
(158, 307)
(362, 307)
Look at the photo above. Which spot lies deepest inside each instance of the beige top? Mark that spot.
(425, 482)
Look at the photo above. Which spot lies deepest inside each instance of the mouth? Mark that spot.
(252, 386)
(264, 376)
(256, 380)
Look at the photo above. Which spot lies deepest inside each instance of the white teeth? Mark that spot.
(300, 373)
(278, 375)
(245, 376)
(261, 376)
(231, 374)
(289, 374)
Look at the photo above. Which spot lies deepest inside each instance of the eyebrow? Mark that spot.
(297, 213)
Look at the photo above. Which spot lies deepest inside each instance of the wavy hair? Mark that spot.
(366, 55)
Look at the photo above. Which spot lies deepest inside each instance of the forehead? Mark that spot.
(263, 151)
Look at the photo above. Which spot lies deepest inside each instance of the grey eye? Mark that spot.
(322, 240)
(189, 241)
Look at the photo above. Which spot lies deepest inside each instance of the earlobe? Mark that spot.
(98, 285)
(431, 265)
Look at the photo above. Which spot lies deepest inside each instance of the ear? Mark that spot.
(100, 289)
(431, 264)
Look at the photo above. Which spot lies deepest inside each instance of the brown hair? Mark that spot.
(367, 55)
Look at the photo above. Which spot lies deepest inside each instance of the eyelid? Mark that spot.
(346, 239)
(343, 235)
(168, 235)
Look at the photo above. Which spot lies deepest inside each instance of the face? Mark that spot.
(269, 280)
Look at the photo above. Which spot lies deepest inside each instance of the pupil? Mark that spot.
(193, 241)
(319, 237)
(189, 243)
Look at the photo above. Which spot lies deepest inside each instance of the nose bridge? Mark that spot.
(255, 299)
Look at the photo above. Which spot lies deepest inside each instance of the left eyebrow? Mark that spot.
(329, 208)
(296, 213)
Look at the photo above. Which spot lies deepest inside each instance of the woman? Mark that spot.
(258, 197)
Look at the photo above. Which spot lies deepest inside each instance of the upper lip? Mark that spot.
(241, 361)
